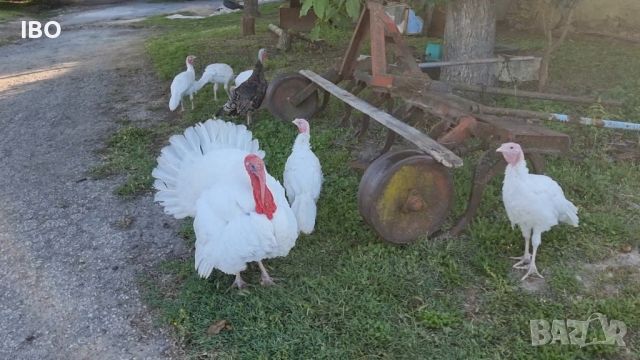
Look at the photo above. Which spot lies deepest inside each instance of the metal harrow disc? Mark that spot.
(404, 195)
(285, 86)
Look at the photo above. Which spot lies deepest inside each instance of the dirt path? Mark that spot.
(68, 273)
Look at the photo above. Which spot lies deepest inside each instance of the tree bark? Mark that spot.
(251, 8)
(470, 33)
(248, 25)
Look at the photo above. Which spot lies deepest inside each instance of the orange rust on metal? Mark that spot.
(460, 133)
(378, 47)
(414, 202)
(532, 137)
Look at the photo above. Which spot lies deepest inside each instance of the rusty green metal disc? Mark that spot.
(404, 195)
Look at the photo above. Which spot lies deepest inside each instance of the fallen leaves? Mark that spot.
(218, 326)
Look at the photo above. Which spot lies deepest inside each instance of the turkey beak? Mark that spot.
(500, 149)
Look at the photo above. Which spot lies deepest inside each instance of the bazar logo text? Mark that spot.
(574, 332)
(34, 29)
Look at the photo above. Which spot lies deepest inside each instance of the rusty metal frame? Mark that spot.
(461, 118)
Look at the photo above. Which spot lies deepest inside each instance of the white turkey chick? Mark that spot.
(303, 178)
(181, 85)
(218, 74)
(533, 202)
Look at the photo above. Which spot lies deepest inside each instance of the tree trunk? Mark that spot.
(248, 25)
(470, 33)
(251, 8)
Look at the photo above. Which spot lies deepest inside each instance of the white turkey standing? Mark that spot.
(303, 178)
(181, 85)
(214, 173)
(533, 202)
(218, 74)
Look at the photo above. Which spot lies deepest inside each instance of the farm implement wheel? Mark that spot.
(404, 195)
(282, 88)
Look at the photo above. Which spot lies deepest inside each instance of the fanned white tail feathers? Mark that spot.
(178, 188)
(304, 208)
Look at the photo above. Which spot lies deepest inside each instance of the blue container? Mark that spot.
(414, 23)
(433, 51)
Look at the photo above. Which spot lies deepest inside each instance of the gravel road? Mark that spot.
(69, 269)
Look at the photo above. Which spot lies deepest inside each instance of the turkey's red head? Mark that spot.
(512, 152)
(261, 193)
(191, 59)
(262, 55)
(302, 124)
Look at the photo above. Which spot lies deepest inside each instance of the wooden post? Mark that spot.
(248, 25)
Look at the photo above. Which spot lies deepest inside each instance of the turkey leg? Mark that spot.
(533, 270)
(265, 279)
(238, 282)
(526, 258)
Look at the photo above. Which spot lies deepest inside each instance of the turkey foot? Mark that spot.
(533, 270)
(265, 279)
(238, 282)
(524, 261)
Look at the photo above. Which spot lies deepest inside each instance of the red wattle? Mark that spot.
(268, 207)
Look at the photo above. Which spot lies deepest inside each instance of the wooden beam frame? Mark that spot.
(422, 141)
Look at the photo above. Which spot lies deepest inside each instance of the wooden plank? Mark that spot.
(423, 142)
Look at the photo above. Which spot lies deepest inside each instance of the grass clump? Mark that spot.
(129, 152)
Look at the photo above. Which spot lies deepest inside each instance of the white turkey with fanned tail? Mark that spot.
(215, 173)
(303, 178)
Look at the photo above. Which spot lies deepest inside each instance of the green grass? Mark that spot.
(346, 294)
(129, 151)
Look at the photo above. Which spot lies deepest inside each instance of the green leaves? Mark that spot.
(333, 10)
(353, 8)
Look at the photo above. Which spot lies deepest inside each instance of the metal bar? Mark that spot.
(528, 114)
(428, 65)
(533, 94)
(606, 123)
(422, 141)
